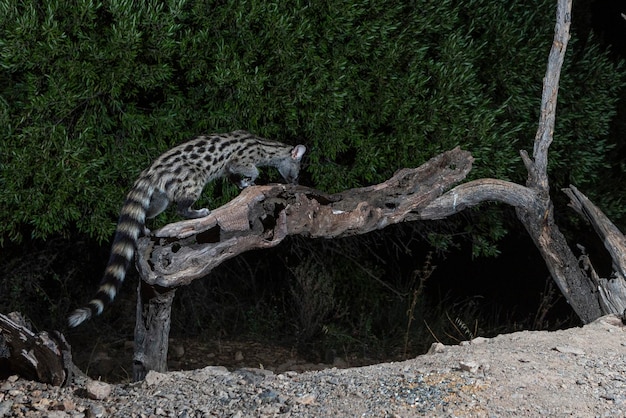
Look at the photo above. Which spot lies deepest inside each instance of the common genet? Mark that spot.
(179, 176)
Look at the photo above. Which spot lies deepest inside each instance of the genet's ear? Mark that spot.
(297, 152)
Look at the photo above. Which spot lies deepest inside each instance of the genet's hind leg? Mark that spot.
(184, 209)
(158, 203)
(185, 196)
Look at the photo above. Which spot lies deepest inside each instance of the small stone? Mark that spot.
(479, 340)
(268, 395)
(97, 390)
(5, 408)
(96, 411)
(269, 411)
(154, 378)
(42, 404)
(202, 375)
(238, 356)
(469, 366)
(13, 378)
(56, 414)
(68, 405)
(436, 348)
(307, 399)
(569, 350)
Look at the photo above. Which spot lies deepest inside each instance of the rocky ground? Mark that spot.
(580, 372)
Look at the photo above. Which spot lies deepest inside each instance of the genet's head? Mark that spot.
(289, 168)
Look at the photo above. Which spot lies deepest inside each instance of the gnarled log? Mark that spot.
(261, 217)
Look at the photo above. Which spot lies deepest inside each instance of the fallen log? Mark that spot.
(45, 357)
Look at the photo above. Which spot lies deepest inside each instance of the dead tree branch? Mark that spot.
(262, 216)
(538, 220)
(474, 192)
(538, 167)
(532, 202)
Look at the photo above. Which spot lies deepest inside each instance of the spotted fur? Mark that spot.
(179, 176)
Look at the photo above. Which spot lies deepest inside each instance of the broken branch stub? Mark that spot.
(611, 291)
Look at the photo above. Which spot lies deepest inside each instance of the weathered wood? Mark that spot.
(152, 328)
(538, 167)
(262, 216)
(475, 192)
(563, 265)
(532, 202)
(534, 209)
(539, 219)
(611, 291)
(36, 356)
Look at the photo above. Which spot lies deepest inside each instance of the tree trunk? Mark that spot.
(152, 329)
(575, 285)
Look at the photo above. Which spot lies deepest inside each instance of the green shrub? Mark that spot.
(91, 92)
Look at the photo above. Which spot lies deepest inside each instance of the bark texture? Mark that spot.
(152, 329)
(612, 290)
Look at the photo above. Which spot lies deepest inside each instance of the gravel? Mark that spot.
(578, 372)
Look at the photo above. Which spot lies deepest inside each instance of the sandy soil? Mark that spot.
(580, 372)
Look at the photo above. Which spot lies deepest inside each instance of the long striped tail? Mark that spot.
(130, 225)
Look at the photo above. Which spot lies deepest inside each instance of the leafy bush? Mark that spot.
(91, 92)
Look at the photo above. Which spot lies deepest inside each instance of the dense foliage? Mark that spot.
(91, 92)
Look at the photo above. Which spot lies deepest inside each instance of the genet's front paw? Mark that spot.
(201, 213)
(245, 182)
